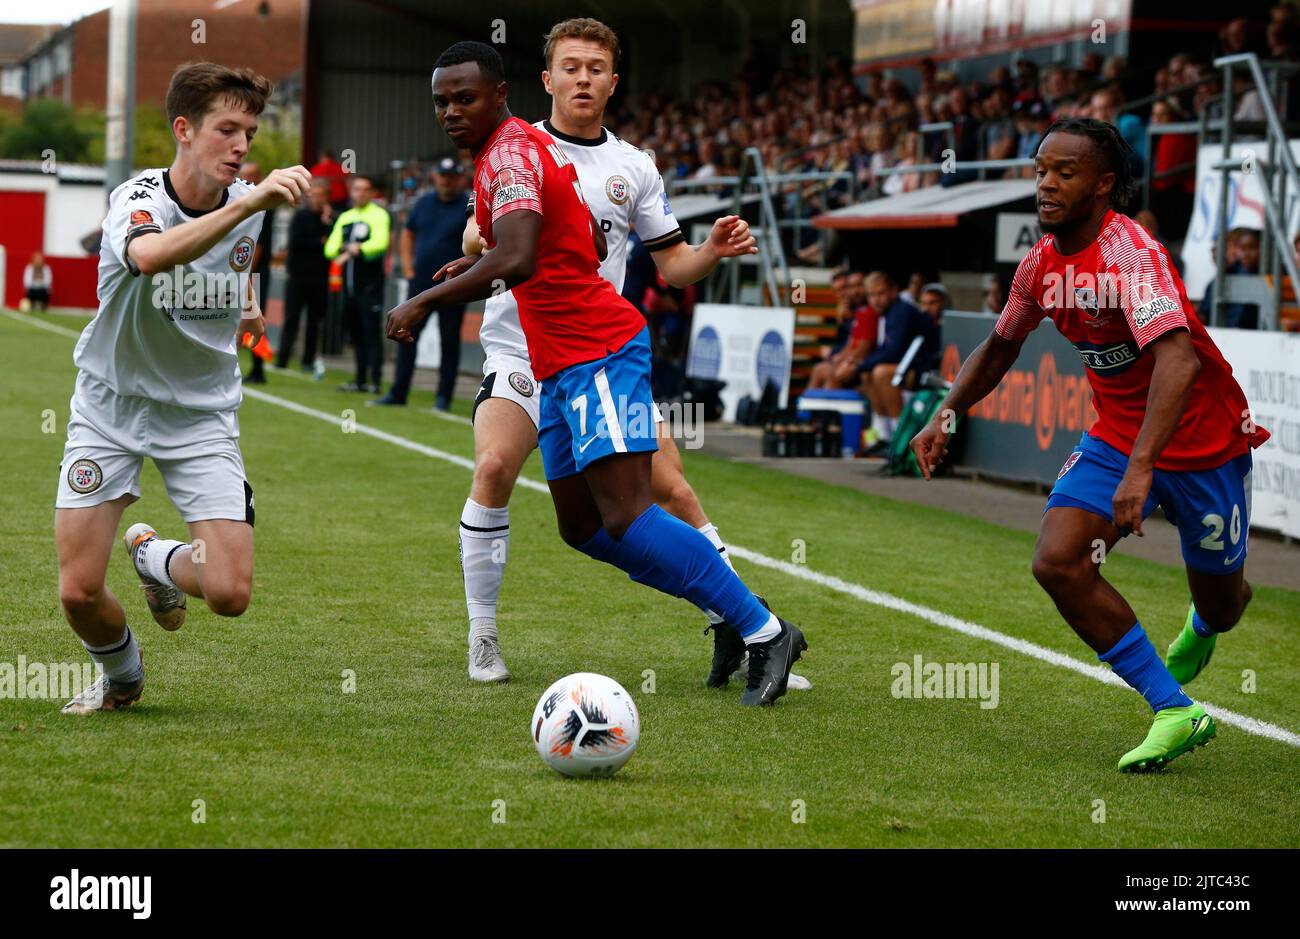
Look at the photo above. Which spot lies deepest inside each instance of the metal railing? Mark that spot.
(1280, 187)
(979, 166)
(755, 180)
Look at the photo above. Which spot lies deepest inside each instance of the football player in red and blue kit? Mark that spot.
(1173, 427)
(590, 350)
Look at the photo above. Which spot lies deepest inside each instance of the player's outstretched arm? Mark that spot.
(181, 244)
(980, 374)
(683, 264)
(1172, 379)
(509, 264)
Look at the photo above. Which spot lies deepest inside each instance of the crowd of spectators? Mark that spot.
(825, 120)
(864, 129)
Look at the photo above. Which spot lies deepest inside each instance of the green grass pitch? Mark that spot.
(357, 570)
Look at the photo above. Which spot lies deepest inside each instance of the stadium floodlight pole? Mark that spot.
(119, 129)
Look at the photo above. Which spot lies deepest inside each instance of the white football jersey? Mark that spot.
(624, 190)
(170, 337)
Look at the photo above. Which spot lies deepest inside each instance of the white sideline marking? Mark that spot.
(441, 415)
(1241, 721)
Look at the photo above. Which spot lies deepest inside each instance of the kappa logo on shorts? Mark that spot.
(616, 189)
(522, 384)
(241, 254)
(85, 476)
(1073, 458)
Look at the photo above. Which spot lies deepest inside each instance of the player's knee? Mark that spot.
(675, 495)
(618, 521)
(79, 594)
(493, 475)
(1057, 572)
(228, 599)
(575, 536)
(1225, 612)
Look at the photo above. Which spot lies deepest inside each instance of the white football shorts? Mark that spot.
(197, 453)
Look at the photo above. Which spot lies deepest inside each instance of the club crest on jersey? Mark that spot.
(522, 384)
(241, 255)
(1085, 298)
(85, 476)
(1070, 461)
(616, 190)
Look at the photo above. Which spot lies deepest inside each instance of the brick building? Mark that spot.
(72, 63)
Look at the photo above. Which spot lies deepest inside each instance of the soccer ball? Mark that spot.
(586, 725)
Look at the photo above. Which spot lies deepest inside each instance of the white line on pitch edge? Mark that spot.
(875, 597)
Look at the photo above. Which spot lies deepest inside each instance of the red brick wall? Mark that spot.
(236, 36)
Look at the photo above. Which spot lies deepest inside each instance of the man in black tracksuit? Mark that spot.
(308, 274)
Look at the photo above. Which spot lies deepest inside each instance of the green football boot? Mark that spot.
(1189, 653)
(1175, 731)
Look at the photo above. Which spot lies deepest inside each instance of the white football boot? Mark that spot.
(485, 662)
(167, 604)
(105, 695)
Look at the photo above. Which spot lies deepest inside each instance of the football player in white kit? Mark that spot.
(158, 377)
(623, 187)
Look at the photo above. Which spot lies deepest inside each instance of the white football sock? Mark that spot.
(484, 548)
(120, 660)
(710, 531)
(152, 558)
(769, 631)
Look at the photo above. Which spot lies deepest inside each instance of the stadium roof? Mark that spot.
(932, 207)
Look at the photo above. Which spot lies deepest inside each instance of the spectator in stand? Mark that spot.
(966, 137)
(1243, 258)
(902, 323)
(993, 301)
(1104, 106)
(37, 282)
(998, 133)
(840, 368)
(904, 155)
(432, 238)
(360, 239)
(1032, 120)
(1172, 193)
(934, 301)
(308, 284)
(331, 170)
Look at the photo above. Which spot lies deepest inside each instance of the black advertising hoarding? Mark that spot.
(1026, 428)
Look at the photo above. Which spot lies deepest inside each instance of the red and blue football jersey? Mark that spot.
(1111, 300)
(569, 313)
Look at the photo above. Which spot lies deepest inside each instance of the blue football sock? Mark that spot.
(665, 553)
(1134, 659)
(1201, 627)
(603, 547)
